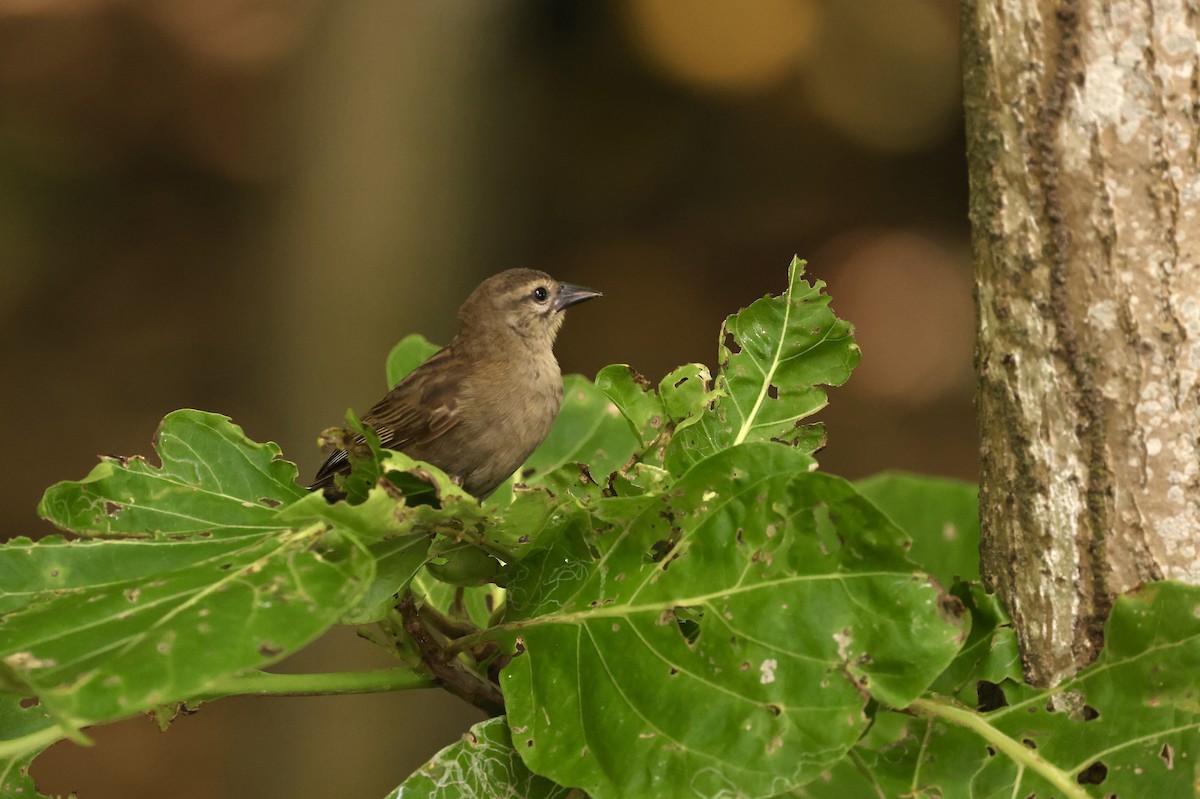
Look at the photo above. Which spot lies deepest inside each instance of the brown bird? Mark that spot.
(482, 404)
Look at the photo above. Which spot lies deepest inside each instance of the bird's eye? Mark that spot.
(540, 294)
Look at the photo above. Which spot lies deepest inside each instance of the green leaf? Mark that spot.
(213, 480)
(483, 765)
(23, 732)
(774, 355)
(940, 515)
(721, 638)
(636, 399)
(411, 352)
(590, 439)
(990, 653)
(116, 647)
(1135, 730)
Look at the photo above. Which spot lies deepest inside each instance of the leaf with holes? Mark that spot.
(110, 646)
(589, 441)
(774, 356)
(213, 480)
(723, 638)
(1129, 727)
(483, 765)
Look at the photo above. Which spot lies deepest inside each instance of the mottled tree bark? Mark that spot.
(1083, 120)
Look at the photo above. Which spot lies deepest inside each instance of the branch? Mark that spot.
(445, 668)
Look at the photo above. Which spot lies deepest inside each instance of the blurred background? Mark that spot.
(240, 205)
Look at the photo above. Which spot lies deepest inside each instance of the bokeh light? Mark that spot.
(909, 297)
(885, 73)
(724, 46)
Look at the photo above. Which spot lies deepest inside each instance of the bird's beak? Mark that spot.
(569, 294)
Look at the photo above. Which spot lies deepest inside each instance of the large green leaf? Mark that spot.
(233, 567)
(589, 440)
(483, 765)
(940, 515)
(213, 480)
(774, 356)
(118, 647)
(1135, 730)
(722, 638)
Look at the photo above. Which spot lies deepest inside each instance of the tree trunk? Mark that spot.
(1083, 125)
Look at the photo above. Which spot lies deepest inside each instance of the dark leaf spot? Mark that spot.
(269, 650)
(1093, 774)
(950, 607)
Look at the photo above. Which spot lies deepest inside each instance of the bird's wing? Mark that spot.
(421, 407)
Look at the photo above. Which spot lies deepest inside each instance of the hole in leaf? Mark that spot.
(991, 696)
(991, 750)
(270, 502)
(225, 567)
(1167, 753)
(112, 509)
(687, 619)
(529, 742)
(1089, 713)
(1029, 742)
(659, 550)
(775, 709)
(731, 343)
(673, 671)
(30, 701)
(773, 391)
(1094, 774)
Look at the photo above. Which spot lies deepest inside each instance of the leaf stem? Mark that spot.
(264, 683)
(939, 707)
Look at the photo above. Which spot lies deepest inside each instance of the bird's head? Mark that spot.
(522, 302)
